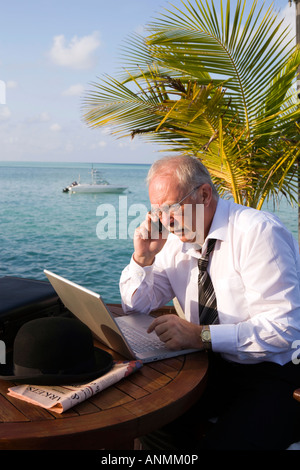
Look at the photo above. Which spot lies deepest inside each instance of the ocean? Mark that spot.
(77, 235)
(42, 227)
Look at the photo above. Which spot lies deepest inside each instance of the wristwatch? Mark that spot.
(206, 337)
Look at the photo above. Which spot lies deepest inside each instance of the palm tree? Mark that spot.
(218, 87)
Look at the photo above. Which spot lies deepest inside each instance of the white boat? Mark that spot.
(98, 185)
(94, 188)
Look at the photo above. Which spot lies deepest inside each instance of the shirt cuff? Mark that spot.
(224, 338)
(141, 271)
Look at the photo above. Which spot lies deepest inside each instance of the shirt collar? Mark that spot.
(219, 225)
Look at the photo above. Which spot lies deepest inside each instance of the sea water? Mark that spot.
(44, 228)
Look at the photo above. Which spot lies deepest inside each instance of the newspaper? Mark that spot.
(62, 398)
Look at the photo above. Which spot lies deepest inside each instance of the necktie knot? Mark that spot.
(202, 264)
(203, 261)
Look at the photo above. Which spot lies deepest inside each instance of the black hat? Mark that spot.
(55, 351)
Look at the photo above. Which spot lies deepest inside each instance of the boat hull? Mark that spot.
(96, 188)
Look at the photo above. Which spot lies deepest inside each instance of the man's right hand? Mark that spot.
(148, 241)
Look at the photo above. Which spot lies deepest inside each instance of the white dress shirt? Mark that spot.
(255, 271)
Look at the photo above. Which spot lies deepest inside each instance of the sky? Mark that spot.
(50, 53)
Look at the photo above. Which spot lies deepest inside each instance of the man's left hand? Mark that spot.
(177, 333)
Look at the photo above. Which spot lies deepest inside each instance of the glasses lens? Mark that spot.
(174, 208)
(155, 211)
(166, 210)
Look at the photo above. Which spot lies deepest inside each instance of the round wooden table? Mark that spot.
(151, 397)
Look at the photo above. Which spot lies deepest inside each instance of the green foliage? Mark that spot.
(220, 87)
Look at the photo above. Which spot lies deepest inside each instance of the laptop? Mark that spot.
(126, 334)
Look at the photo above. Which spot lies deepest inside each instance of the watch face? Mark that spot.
(206, 335)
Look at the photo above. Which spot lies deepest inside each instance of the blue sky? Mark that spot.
(50, 51)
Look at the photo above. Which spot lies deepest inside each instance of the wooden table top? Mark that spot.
(149, 398)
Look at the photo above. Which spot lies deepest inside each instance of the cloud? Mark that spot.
(141, 30)
(5, 113)
(44, 116)
(74, 90)
(77, 54)
(55, 127)
(22, 141)
(99, 144)
(41, 117)
(11, 84)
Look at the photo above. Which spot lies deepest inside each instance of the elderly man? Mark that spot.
(235, 272)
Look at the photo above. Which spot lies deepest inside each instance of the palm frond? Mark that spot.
(191, 41)
(215, 86)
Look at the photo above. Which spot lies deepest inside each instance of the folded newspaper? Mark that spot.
(62, 398)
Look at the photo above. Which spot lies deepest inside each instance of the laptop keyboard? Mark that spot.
(138, 342)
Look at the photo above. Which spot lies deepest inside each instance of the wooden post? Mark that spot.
(297, 2)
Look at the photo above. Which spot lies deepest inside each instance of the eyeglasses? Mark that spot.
(166, 209)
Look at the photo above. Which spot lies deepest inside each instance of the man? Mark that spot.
(249, 321)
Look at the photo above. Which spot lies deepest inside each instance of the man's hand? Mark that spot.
(148, 242)
(177, 333)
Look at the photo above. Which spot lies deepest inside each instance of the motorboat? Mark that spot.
(98, 185)
(94, 188)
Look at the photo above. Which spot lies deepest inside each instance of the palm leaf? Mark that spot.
(215, 87)
(191, 41)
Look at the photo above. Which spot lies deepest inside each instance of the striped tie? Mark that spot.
(208, 313)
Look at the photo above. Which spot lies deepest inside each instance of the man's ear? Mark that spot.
(206, 193)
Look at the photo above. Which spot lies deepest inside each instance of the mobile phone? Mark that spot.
(157, 224)
(160, 226)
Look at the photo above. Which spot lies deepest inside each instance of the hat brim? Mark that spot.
(103, 364)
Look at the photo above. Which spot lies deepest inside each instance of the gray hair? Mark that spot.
(190, 171)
